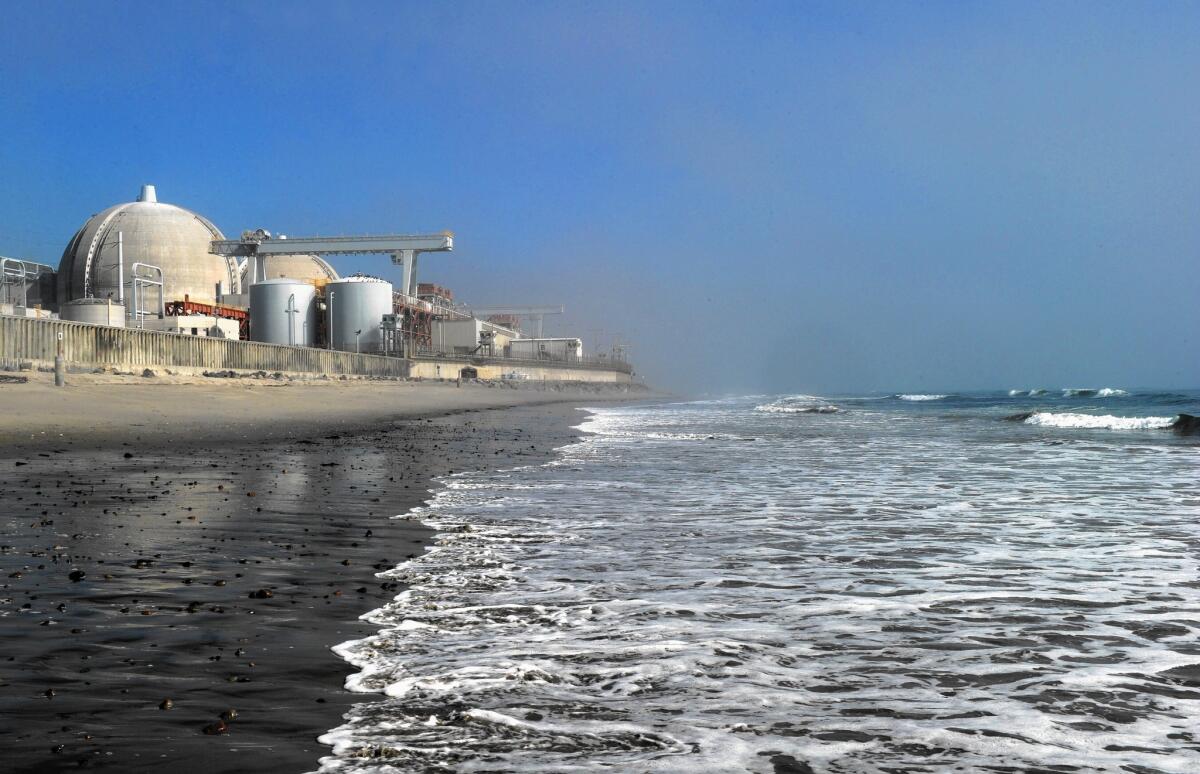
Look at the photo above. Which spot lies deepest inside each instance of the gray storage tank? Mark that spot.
(283, 311)
(357, 304)
(97, 311)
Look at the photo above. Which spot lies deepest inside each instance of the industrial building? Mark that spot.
(470, 335)
(154, 266)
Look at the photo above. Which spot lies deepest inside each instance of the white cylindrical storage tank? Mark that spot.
(356, 308)
(283, 311)
(97, 311)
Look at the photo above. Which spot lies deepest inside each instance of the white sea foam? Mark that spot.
(1098, 421)
(920, 397)
(771, 408)
(673, 606)
(1031, 393)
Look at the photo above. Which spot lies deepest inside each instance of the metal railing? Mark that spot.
(18, 277)
(14, 279)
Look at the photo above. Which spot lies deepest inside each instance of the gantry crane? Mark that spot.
(535, 313)
(414, 315)
(258, 246)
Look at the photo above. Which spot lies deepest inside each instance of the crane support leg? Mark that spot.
(407, 259)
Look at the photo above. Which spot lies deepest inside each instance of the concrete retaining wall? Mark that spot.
(36, 340)
(23, 339)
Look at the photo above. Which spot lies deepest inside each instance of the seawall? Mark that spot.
(36, 341)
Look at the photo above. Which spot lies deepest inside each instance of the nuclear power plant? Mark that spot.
(167, 275)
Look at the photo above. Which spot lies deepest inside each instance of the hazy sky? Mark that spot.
(757, 196)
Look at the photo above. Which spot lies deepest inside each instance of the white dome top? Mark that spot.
(151, 232)
(307, 268)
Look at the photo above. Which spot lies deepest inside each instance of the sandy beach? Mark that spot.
(176, 549)
(97, 410)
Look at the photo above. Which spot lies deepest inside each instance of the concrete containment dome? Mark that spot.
(151, 232)
(307, 268)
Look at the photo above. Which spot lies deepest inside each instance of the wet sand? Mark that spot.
(140, 570)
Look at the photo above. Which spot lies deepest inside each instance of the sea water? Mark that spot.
(904, 583)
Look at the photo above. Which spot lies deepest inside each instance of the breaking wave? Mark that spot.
(771, 408)
(1029, 393)
(921, 397)
(1088, 392)
(799, 404)
(1098, 421)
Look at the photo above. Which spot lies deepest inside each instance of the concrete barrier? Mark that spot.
(36, 340)
(26, 339)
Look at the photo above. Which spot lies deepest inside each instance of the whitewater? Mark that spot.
(894, 585)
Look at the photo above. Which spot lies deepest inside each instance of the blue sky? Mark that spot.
(757, 196)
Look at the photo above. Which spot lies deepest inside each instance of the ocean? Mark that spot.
(998, 582)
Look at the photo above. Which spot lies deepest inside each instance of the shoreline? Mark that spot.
(218, 570)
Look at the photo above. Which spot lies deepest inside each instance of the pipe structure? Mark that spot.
(121, 267)
(291, 313)
(329, 305)
(139, 290)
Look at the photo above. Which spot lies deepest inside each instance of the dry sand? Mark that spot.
(104, 409)
(207, 544)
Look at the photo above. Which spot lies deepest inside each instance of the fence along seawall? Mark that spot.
(36, 340)
(84, 344)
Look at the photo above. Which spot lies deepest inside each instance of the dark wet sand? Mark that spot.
(173, 541)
